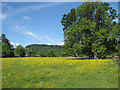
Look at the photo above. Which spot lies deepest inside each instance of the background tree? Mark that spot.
(33, 53)
(19, 51)
(0, 50)
(42, 54)
(51, 53)
(7, 48)
(28, 52)
(119, 49)
(6, 51)
(118, 44)
(90, 31)
(38, 49)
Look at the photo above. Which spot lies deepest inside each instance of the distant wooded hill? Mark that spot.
(44, 50)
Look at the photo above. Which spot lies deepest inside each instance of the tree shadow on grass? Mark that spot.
(79, 58)
(87, 58)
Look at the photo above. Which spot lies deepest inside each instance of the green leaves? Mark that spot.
(114, 33)
(51, 53)
(19, 51)
(93, 27)
(69, 19)
(7, 48)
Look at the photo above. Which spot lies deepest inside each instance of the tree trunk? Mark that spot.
(77, 54)
(95, 55)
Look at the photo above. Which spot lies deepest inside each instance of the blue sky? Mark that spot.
(28, 23)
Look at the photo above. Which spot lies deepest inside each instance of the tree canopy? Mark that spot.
(19, 51)
(7, 48)
(91, 31)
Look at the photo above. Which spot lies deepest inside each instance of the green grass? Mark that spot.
(38, 72)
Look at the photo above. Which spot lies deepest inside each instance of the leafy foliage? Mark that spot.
(42, 54)
(7, 48)
(19, 51)
(51, 53)
(6, 51)
(44, 50)
(91, 31)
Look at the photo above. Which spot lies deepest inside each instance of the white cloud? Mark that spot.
(24, 30)
(62, 43)
(49, 43)
(17, 44)
(3, 16)
(0, 16)
(26, 18)
(21, 29)
(30, 33)
(14, 44)
(17, 27)
(29, 8)
(49, 39)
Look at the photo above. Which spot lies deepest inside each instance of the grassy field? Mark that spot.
(59, 72)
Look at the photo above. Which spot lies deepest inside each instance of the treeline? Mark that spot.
(44, 50)
(34, 50)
